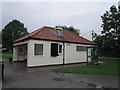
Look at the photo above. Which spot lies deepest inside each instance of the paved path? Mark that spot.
(17, 75)
(0, 74)
(0, 85)
(97, 80)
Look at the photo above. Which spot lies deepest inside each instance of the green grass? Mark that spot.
(109, 59)
(6, 55)
(101, 69)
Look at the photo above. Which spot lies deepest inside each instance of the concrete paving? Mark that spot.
(105, 81)
(0, 85)
(17, 75)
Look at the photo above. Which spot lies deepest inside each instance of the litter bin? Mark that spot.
(2, 68)
(10, 59)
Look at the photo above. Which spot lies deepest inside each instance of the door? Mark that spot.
(54, 49)
(92, 57)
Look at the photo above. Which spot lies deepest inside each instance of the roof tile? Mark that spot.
(49, 34)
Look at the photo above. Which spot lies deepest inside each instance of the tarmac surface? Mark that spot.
(17, 75)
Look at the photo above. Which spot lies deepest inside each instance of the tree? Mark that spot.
(94, 35)
(70, 28)
(12, 31)
(109, 40)
(0, 37)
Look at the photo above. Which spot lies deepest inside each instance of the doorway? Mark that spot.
(22, 52)
(92, 55)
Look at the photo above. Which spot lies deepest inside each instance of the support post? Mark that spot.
(63, 55)
(15, 53)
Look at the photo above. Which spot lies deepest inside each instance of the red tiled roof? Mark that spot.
(48, 33)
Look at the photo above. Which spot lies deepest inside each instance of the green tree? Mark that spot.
(109, 40)
(94, 35)
(0, 40)
(12, 31)
(70, 28)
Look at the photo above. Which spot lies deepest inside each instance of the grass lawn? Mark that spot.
(109, 59)
(102, 68)
(6, 55)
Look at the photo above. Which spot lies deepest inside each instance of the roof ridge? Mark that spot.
(71, 32)
(78, 35)
(46, 33)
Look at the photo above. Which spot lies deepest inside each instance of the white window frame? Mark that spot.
(58, 48)
(34, 50)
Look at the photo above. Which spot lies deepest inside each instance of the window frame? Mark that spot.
(42, 49)
(80, 47)
(59, 49)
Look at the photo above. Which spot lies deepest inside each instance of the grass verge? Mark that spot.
(101, 69)
(109, 59)
(6, 55)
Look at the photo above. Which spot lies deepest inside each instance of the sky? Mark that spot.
(85, 16)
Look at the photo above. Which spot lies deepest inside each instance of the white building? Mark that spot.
(50, 46)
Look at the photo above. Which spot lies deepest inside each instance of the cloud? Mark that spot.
(81, 15)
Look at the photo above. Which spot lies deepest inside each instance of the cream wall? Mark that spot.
(15, 53)
(45, 59)
(71, 55)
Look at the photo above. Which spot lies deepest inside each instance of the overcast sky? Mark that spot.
(85, 16)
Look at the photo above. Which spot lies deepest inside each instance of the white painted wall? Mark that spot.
(15, 53)
(71, 55)
(45, 59)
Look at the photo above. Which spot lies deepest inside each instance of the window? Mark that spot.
(38, 49)
(60, 48)
(54, 49)
(58, 33)
(80, 48)
(20, 51)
